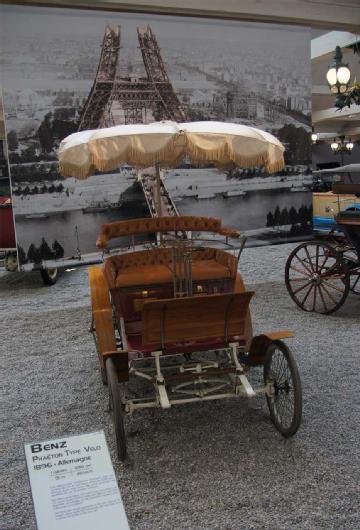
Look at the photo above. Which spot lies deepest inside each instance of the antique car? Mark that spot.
(176, 316)
(326, 203)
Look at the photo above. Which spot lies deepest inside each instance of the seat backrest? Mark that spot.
(187, 223)
(195, 318)
(347, 189)
(350, 225)
(348, 217)
(131, 260)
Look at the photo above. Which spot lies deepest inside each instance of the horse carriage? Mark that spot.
(174, 313)
(320, 274)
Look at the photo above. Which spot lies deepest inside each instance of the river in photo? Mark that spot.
(78, 230)
(73, 229)
(247, 212)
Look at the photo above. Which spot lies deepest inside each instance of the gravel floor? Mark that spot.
(213, 466)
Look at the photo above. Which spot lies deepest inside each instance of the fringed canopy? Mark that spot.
(166, 143)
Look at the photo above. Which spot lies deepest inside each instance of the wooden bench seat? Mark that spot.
(346, 189)
(349, 222)
(193, 323)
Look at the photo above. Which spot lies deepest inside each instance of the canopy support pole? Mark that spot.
(158, 188)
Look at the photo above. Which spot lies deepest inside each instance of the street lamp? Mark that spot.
(314, 136)
(338, 74)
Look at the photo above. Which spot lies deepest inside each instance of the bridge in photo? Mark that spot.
(156, 194)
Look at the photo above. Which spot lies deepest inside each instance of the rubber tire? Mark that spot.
(290, 291)
(116, 409)
(11, 262)
(103, 376)
(356, 288)
(297, 415)
(50, 278)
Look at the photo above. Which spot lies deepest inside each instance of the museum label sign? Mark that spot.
(74, 485)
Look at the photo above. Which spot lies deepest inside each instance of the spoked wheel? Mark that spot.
(285, 401)
(317, 278)
(355, 282)
(116, 408)
(352, 262)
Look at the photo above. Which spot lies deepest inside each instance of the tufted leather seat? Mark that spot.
(144, 275)
(145, 267)
(152, 267)
(209, 270)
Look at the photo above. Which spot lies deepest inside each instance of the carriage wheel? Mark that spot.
(351, 260)
(116, 408)
(317, 278)
(355, 279)
(285, 403)
(355, 282)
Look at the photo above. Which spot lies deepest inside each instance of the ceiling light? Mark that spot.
(349, 146)
(338, 74)
(314, 136)
(342, 147)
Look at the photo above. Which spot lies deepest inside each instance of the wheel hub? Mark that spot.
(283, 389)
(316, 279)
(11, 263)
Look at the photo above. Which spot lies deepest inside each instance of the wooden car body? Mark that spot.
(176, 315)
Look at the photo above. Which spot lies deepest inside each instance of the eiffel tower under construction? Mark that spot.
(135, 97)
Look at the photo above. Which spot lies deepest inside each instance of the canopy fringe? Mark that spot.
(71, 170)
(107, 154)
(132, 155)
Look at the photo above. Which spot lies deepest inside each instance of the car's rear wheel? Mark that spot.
(50, 276)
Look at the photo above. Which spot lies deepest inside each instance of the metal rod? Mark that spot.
(158, 190)
(242, 245)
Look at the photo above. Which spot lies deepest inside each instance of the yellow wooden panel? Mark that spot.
(248, 333)
(99, 290)
(105, 332)
(239, 284)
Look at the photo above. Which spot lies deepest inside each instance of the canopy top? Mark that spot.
(166, 143)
